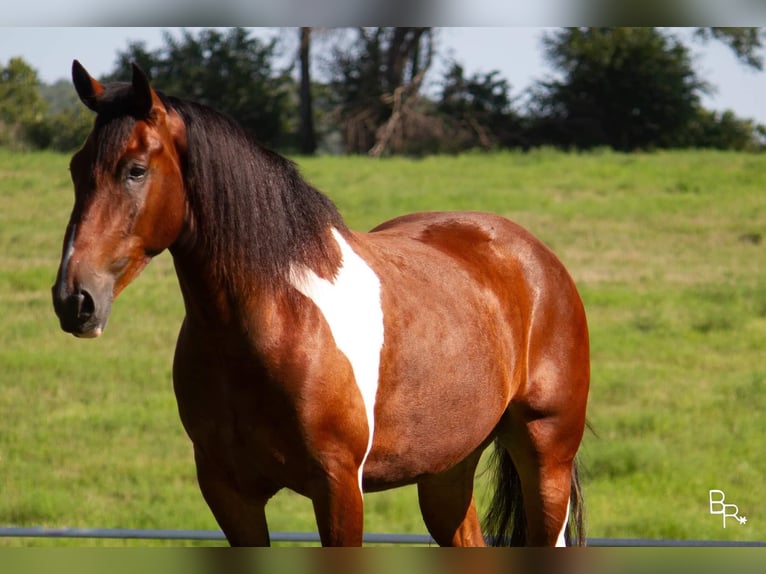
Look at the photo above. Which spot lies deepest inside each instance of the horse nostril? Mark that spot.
(78, 312)
(78, 307)
(85, 305)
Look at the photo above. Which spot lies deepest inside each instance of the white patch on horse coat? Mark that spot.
(351, 306)
(561, 541)
(68, 252)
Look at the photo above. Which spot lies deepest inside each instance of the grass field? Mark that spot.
(668, 250)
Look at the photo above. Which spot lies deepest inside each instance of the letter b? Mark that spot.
(718, 502)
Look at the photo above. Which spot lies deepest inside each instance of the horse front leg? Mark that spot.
(339, 507)
(242, 518)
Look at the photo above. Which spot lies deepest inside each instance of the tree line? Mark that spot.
(623, 88)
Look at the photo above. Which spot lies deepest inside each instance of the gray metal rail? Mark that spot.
(313, 537)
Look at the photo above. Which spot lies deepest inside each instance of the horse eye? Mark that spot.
(136, 173)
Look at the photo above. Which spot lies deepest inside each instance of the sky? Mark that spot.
(516, 52)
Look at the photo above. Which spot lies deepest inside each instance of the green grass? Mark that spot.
(668, 251)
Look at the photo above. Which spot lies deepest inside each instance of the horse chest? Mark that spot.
(253, 410)
(235, 414)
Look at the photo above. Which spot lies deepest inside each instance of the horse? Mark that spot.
(324, 360)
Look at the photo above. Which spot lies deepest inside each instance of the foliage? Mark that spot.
(230, 71)
(625, 88)
(479, 109)
(634, 88)
(375, 80)
(63, 131)
(39, 116)
(628, 88)
(720, 130)
(744, 42)
(21, 106)
(67, 122)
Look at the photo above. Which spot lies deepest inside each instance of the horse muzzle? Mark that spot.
(82, 312)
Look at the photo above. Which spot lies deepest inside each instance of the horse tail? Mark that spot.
(575, 530)
(505, 522)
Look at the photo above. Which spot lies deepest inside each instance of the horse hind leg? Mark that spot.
(543, 425)
(448, 507)
(539, 493)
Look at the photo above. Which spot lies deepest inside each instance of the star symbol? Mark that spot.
(742, 519)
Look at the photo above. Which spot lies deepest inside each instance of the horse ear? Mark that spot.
(145, 97)
(88, 88)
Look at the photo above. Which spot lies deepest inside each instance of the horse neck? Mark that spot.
(250, 218)
(216, 295)
(207, 299)
(222, 286)
(225, 306)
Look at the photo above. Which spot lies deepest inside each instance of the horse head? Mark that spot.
(129, 198)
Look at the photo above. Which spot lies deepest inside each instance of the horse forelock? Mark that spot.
(114, 123)
(103, 149)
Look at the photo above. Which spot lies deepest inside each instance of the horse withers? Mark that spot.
(325, 360)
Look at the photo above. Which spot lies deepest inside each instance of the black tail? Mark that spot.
(505, 522)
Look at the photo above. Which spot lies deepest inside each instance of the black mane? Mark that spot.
(251, 212)
(252, 209)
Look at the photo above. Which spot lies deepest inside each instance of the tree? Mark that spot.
(21, 105)
(67, 122)
(479, 109)
(230, 71)
(375, 82)
(627, 88)
(306, 136)
(721, 130)
(745, 42)
(135, 53)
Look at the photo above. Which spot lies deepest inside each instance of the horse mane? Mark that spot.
(252, 214)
